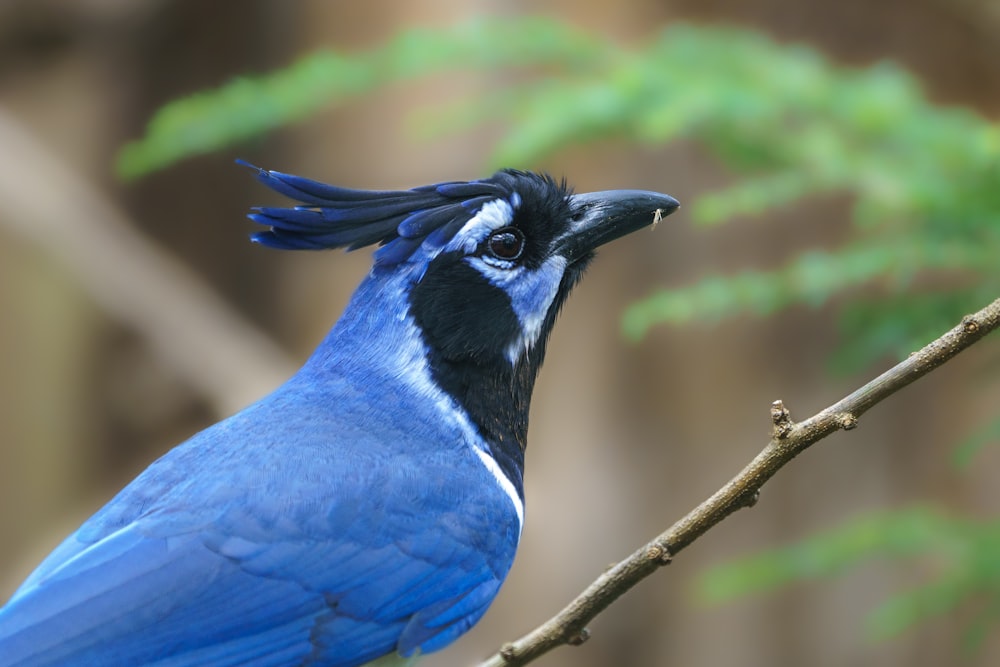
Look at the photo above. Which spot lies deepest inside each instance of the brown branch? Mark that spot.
(788, 440)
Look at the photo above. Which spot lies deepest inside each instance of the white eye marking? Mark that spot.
(497, 263)
(491, 216)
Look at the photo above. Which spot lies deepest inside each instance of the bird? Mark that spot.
(369, 509)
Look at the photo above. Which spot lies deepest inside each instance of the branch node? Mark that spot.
(659, 554)
(508, 652)
(847, 421)
(752, 499)
(969, 324)
(578, 638)
(782, 420)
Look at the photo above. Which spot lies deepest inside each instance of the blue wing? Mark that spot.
(223, 554)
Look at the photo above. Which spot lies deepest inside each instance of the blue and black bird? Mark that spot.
(370, 507)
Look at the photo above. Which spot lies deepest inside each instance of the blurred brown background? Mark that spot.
(624, 440)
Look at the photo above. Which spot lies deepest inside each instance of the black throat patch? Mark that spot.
(467, 325)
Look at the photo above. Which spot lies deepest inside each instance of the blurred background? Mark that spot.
(135, 313)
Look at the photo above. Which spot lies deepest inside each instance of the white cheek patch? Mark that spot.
(531, 293)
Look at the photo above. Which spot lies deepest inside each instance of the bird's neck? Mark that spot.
(496, 399)
(379, 345)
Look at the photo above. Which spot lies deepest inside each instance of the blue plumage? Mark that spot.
(374, 502)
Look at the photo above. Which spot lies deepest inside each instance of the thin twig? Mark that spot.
(788, 440)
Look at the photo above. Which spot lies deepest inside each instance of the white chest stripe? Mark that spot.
(504, 483)
(472, 437)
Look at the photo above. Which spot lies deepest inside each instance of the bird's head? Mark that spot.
(487, 265)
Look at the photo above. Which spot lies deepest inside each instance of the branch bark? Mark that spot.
(788, 440)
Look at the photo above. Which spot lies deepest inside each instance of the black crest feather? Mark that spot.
(398, 220)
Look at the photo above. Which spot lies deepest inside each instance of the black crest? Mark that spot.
(398, 220)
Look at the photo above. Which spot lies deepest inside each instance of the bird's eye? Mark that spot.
(506, 243)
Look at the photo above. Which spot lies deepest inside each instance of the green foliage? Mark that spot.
(961, 555)
(251, 106)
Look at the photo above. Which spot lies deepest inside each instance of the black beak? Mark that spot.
(600, 217)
